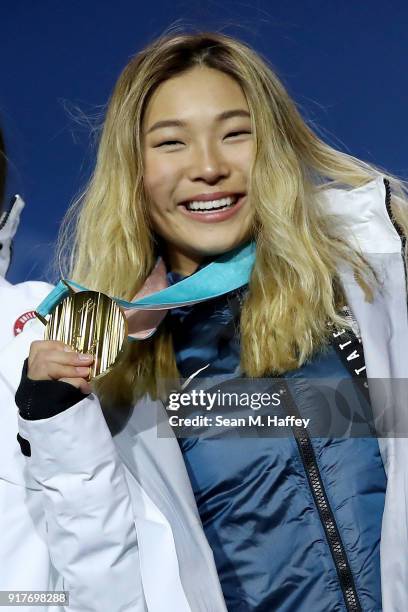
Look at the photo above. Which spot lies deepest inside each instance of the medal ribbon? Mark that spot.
(149, 306)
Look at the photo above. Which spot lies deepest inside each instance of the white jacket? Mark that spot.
(108, 513)
(9, 221)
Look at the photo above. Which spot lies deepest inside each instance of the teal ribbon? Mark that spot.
(228, 272)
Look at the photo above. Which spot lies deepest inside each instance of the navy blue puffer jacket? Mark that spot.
(294, 525)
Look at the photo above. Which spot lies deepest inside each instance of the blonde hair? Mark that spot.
(294, 288)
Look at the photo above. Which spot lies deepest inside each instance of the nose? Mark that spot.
(207, 164)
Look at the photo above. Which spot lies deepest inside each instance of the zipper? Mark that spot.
(326, 515)
(4, 217)
(397, 226)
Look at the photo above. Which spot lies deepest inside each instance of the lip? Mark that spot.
(206, 197)
(214, 217)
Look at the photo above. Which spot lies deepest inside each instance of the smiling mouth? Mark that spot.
(200, 206)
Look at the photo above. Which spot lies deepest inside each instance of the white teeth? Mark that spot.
(211, 204)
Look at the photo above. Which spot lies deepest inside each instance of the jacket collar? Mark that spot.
(9, 221)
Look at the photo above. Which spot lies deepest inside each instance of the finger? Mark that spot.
(45, 345)
(47, 365)
(63, 357)
(56, 371)
(79, 383)
(39, 347)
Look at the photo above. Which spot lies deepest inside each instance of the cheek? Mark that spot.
(244, 158)
(160, 180)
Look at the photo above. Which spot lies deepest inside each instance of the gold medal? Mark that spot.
(90, 322)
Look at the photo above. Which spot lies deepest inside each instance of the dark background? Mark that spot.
(345, 63)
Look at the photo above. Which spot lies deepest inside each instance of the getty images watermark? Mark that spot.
(208, 400)
(282, 407)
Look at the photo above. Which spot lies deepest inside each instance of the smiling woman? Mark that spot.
(205, 164)
(208, 144)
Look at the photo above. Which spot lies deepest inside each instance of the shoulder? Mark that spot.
(17, 306)
(28, 291)
(363, 214)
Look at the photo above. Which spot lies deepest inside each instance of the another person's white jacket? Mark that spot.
(107, 512)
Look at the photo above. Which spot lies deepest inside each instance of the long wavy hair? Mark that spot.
(107, 241)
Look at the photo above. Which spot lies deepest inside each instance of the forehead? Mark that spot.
(199, 92)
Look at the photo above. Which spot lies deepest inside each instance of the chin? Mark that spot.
(217, 248)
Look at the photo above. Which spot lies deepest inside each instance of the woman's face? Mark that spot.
(198, 150)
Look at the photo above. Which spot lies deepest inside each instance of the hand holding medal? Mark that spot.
(53, 360)
(89, 323)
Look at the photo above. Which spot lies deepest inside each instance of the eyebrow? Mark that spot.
(237, 112)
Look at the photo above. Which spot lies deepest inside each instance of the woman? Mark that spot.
(203, 151)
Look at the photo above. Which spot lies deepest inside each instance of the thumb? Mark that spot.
(80, 383)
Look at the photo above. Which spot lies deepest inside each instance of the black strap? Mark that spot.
(349, 347)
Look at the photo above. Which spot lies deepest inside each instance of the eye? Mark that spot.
(238, 133)
(168, 143)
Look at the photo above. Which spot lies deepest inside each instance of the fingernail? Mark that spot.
(83, 357)
(68, 349)
(83, 371)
